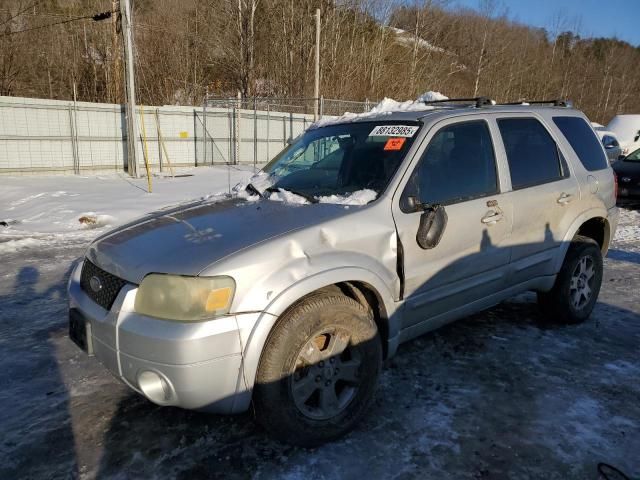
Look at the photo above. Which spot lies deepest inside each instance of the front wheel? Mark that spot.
(576, 289)
(318, 370)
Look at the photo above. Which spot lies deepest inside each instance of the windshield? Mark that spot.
(342, 159)
(633, 157)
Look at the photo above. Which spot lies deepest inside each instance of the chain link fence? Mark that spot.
(253, 130)
(50, 136)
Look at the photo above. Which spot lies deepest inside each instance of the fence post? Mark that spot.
(236, 124)
(291, 125)
(268, 125)
(158, 135)
(321, 105)
(234, 132)
(284, 131)
(204, 129)
(74, 144)
(255, 133)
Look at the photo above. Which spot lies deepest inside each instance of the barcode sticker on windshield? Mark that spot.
(394, 131)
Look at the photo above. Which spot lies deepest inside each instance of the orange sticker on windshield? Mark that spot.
(394, 143)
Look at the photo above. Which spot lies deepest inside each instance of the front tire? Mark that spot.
(318, 370)
(576, 289)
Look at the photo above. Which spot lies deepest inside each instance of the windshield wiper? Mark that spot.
(252, 189)
(309, 198)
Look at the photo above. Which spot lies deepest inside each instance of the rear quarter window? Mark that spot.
(583, 141)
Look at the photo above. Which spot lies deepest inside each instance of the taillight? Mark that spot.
(615, 186)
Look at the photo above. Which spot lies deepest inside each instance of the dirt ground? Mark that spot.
(496, 395)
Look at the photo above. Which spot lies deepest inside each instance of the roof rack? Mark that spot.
(555, 103)
(479, 101)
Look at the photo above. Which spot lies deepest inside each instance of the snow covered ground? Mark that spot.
(48, 207)
(495, 395)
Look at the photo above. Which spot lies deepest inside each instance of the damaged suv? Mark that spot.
(362, 234)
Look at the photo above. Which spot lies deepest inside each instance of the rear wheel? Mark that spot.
(576, 289)
(318, 370)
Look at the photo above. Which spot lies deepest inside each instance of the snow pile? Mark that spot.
(385, 107)
(431, 97)
(359, 197)
(13, 245)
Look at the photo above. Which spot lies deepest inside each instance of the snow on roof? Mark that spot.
(385, 107)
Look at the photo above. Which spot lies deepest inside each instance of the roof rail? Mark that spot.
(479, 101)
(555, 103)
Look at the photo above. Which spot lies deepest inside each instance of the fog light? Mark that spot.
(155, 387)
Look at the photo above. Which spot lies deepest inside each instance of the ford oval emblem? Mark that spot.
(95, 283)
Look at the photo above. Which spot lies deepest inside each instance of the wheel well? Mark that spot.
(364, 294)
(595, 228)
(368, 296)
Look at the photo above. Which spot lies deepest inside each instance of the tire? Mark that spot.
(326, 343)
(568, 301)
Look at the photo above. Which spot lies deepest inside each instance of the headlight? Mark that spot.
(187, 299)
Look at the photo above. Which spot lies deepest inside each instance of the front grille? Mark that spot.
(111, 284)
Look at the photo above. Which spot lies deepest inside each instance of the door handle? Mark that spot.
(564, 198)
(492, 218)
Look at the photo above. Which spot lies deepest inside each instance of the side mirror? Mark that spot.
(433, 222)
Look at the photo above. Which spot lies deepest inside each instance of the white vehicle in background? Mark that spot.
(609, 141)
(627, 129)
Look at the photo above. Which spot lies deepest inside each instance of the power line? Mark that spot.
(96, 17)
(20, 12)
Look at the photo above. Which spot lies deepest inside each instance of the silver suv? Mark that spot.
(362, 234)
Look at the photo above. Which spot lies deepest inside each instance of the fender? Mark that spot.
(255, 343)
(585, 216)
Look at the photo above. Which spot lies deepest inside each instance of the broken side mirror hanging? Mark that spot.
(433, 221)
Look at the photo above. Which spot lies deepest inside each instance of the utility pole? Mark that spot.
(132, 133)
(116, 66)
(316, 89)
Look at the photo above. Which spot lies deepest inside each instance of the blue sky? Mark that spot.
(596, 18)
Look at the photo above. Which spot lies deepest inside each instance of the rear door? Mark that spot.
(544, 194)
(457, 169)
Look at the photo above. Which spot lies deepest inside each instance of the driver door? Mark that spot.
(456, 169)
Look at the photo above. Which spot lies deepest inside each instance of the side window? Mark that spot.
(459, 164)
(584, 142)
(532, 154)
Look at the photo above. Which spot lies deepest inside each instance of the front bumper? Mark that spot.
(189, 365)
(628, 192)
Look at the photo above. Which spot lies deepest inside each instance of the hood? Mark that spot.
(187, 239)
(622, 168)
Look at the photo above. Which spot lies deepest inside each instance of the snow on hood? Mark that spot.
(262, 180)
(283, 195)
(359, 197)
(385, 107)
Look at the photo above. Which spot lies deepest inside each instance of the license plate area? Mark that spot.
(80, 331)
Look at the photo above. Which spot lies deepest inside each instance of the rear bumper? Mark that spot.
(188, 365)
(613, 216)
